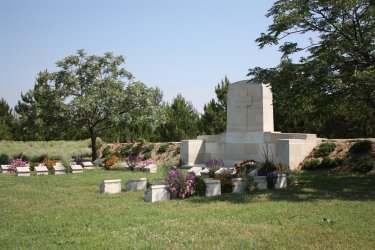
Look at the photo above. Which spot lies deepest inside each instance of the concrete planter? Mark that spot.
(136, 184)
(4, 169)
(22, 171)
(213, 187)
(58, 169)
(41, 170)
(110, 186)
(76, 169)
(157, 193)
(87, 165)
(239, 185)
(261, 182)
(281, 181)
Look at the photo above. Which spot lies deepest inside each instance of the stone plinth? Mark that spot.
(213, 187)
(87, 165)
(281, 181)
(76, 169)
(4, 169)
(22, 171)
(261, 182)
(192, 152)
(136, 184)
(157, 193)
(110, 186)
(41, 170)
(152, 168)
(197, 170)
(58, 169)
(239, 185)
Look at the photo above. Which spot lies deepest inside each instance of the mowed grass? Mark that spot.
(67, 212)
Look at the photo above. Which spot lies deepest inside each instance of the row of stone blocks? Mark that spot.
(161, 192)
(43, 170)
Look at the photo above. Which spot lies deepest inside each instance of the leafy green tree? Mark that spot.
(214, 118)
(181, 121)
(6, 121)
(335, 80)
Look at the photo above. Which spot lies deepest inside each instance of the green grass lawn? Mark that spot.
(68, 212)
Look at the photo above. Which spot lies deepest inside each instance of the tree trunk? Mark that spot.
(93, 144)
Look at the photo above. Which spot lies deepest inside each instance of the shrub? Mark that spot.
(177, 151)
(125, 151)
(15, 163)
(328, 163)
(179, 185)
(311, 164)
(365, 164)
(251, 186)
(147, 155)
(149, 148)
(4, 159)
(266, 168)
(199, 187)
(133, 161)
(325, 149)
(361, 147)
(110, 161)
(226, 182)
(163, 148)
(78, 160)
(291, 179)
(137, 149)
(106, 152)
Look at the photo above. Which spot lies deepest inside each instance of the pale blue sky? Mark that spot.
(182, 47)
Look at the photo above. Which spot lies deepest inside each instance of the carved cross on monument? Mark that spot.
(245, 101)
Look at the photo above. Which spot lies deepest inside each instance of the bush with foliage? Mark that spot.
(325, 149)
(199, 187)
(312, 164)
(180, 186)
(226, 182)
(15, 163)
(78, 160)
(137, 149)
(110, 161)
(133, 161)
(365, 164)
(163, 148)
(361, 147)
(147, 155)
(4, 159)
(125, 150)
(329, 162)
(106, 152)
(291, 179)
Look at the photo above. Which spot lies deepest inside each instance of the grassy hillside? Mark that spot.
(324, 211)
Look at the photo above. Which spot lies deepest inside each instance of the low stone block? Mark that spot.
(261, 182)
(136, 184)
(110, 186)
(281, 181)
(41, 170)
(157, 193)
(239, 185)
(87, 165)
(4, 169)
(76, 169)
(22, 171)
(152, 168)
(213, 187)
(196, 170)
(58, 169)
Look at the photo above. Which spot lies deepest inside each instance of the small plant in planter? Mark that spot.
(180, 186)
(199, 187)
(15, 163)
(244, 168)
(49, 163)
(226, 182)
(110, 161)
(213, 165)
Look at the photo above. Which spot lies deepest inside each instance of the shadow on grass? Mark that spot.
(311, 186)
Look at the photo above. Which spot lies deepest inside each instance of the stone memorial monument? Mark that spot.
(250, 133)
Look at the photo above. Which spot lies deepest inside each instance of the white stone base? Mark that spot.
(152, 168)
(41, 170)
(87, 165)
(213, 187)
(4, 169)
(239, 185)
(76, 169)
(58, 169)
(157, 193)
(136, 184)
(110, 186)
(22, 171)
(261, 182)
(281, 181)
